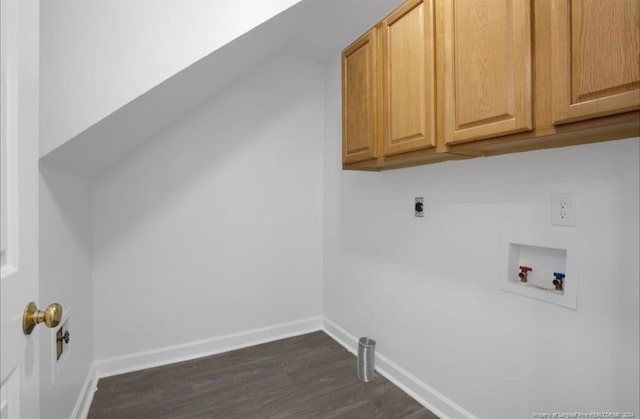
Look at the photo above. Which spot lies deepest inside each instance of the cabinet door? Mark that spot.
(408, 78)
(359, 99)
(484, 52)
(595, 59)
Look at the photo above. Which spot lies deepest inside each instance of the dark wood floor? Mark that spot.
(307, 376)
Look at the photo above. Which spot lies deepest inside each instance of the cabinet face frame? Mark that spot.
(565, 109)
(518, 117)
(368, 148)
(425, 136)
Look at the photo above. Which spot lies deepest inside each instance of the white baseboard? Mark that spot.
(426, 395)
(178, 353)
(81, 409)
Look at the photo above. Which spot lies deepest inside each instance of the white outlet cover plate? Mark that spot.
(563, 209)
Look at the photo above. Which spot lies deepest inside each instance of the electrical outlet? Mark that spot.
(419, 207)
(563, 209)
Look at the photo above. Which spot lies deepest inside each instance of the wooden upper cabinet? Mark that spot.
(484, 57)
(438, 80)
(595, 58)
(359, 99)
(408, 78)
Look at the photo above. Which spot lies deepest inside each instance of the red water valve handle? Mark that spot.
(525, 269)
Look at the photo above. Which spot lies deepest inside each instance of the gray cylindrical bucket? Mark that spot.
(366, 357)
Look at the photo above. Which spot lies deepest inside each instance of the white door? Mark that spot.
(19, 372)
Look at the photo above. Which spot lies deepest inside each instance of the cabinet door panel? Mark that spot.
(596, 58)
(359, 100)
(485, 53)
(408, 78)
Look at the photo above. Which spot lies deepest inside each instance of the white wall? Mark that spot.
(428, 289)
(98, 55)
(65, 277)
(215, 226)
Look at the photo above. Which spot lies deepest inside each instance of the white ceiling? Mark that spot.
(312, 29)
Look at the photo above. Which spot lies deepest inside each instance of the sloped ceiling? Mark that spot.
(312, 29)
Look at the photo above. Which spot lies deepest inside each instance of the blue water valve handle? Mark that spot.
(66, 337)
(559, 275)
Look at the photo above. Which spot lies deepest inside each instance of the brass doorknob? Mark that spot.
(50, 316)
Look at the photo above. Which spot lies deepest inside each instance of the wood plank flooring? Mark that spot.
(308, 376)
